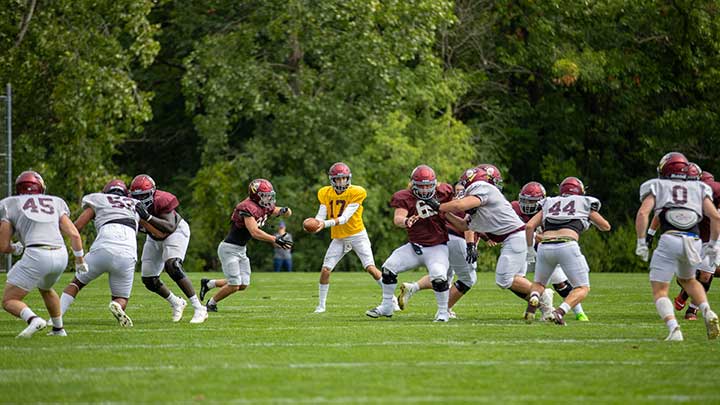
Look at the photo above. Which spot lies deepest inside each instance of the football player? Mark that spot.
(563, 219)
(680, 205)
(248, 217)
(114, 250)
(525, 207)
(40, 221)
(165, 252)
(341, 210)
(491, 213)
(462, 255)
(427, 241)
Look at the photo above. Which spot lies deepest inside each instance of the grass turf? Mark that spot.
(266, 346)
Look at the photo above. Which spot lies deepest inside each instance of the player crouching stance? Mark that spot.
(114, 250)
(247, 218)
(680, 205)
(40, 222)
(563, 219)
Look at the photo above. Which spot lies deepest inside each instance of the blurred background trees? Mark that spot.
(205, 96)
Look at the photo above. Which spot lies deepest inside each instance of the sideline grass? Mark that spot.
(266, 346)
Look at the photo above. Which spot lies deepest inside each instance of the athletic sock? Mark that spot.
(704, 308)
(322, 294)
(57, 322)
(414, 287)
(26, 314)
(65, 301)
(565, 307)
(195, 302)
(442, 300)
(172, 299)
(211, 284)
(212, 302)
(388, 294)
(578, 309)
(671, 324)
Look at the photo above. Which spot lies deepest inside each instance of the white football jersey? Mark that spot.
(496, 215)
(677, 194)
(35, 218)
(563, 209)
(112, 208)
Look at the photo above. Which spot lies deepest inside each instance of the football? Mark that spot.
(311, 225)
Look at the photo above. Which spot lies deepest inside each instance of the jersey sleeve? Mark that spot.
(480, 190)
(707, 191)
(649, 187)
(444, 192)
(594, 204)
(165, 202)
(358, 195)
(62, 207)
(399, 200)
(322, 196)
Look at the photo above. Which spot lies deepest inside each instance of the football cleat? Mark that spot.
(580, 316)
(679, 302)
(534, 299)
(691, 314)
(204, 288)
(177, 310)
(442, 316)
(57, 332)
(451, 314)
(120, 315)
(529, 315)
(35, 325)
(675, 336)
(211, 307)
(558, 315)
(378, 311)
(546, 301)
(712, 324)
(200, 315)
(406, 291)
(319, 310)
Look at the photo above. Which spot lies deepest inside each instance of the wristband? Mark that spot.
(651, 232)
(78, 253)
(329, 223)
(149, 218)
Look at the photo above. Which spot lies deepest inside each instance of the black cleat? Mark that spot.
(211, 307)
(204, 288)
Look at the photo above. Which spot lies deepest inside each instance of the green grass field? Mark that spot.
(266, 346)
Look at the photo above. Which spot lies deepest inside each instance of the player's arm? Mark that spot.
(6, 231)
(599, 221)
(459, 223)
(711, 212)
(322, 213)
(257, 233)
(641, 218)
(166, 222)
(282, 212)
(349, 211)
(530, 227)
(68, 229)
(401, 219)
(86, 216)
(156, 233)
(466, 203)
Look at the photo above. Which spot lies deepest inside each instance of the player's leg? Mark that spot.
(120, 280)
(360, 243)
(663, 265)
(563, 287)
(402, 259)
(55, 263)
(236, 268)
(436, 260)
(334, 253)
(686, 277)
(97, 263)
(150, 268)
(545, 263)
(578, 272)
(174, 249)
(705, 278)
(466, 272)
(23, 277)
(511, 266)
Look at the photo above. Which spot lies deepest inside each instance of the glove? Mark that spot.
(433, 203)
(81, 267)
(17, 248)
(531, 255)
(712, 251)
(642, 249)
(282, 242)
(471, 252)
(142, 211)
(649, 238)
(283, 211)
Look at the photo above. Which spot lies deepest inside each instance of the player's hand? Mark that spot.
(282, 242)
(649, 240)
(410, 221)
(81, 267)
(434, 204)
(471, 253)
(142, 211)
(531, 255)
(17, 248)
(284, 212)
(712, 251)
(641, 249)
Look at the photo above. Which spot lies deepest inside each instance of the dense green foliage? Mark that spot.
(266, 346)
(206, 96)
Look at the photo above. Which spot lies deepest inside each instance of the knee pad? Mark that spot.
(174, 269)
(563, 289)
(152, 283)
(504, 281)
(388, 277)
(440, 285)
(462, 287)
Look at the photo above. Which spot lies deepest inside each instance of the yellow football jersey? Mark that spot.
(336, 203)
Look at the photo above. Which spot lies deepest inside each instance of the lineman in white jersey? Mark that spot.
(491, 213)
(114, 250)
(563, 219)
(39, 221)
(680, 205)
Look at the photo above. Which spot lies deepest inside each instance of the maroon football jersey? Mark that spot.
(239, 234)
(430, 229)
(163, 203)
(524, 217)
(705, 223)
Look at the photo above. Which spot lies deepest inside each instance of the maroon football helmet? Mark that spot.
(142, 188)
(706, 177)
(673, 165)
(693, 171)
(494, 176)
(340, 177)
(423, 182)
(29, 182)
(572, 186)
(116, 187)
(529, 196)
(261, 191)
(472, 175)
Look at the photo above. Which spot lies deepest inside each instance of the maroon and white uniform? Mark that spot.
(35, 219)
(705, 228)
(155, 251)
(558, 275)
(457, 251)
(496, 218)
(427, 237)
(233, 250)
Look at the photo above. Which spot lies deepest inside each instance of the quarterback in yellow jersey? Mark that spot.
(341, 210)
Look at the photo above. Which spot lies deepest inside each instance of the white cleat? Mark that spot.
(406, 291)
(378, 311)
(319, 310)
(534, 299)
(442, 316)
(120, 315)
(200, 315)
(712, 324)
(396, 306)
(451, 314)
(60, 332)
(177, 310)
(675, 336)
(546, 301)
(35, 325)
